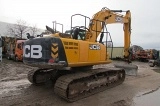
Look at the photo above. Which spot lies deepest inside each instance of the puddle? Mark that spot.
(150, 98)
(156, 70)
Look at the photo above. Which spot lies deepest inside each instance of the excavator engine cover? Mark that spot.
(45, 52)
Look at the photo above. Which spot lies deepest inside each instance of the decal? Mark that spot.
(54, 49)
(94, 47)
(118, 19)
(33, 51)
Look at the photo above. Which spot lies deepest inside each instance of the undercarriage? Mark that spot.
(78, 84)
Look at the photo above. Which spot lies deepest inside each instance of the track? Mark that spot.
(73, 87)
(78, 84)
(41, 76)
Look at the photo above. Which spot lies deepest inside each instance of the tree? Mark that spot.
(18, 29)
(33, 30)
(21, 28)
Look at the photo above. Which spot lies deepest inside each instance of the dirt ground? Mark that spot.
(16, 90)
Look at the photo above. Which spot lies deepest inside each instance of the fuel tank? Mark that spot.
(44, 52)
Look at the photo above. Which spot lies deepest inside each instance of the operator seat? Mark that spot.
(75, 33)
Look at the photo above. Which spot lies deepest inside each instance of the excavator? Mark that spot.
(68, 59)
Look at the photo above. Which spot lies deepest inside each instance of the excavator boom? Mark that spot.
(106, 16)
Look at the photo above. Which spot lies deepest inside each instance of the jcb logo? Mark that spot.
(32, 51)
(94, 47)
(118, 19)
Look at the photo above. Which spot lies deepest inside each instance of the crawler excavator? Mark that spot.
(67, 58)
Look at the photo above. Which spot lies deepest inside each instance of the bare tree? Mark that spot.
(11, 30)
(18, 29)
(33, 30)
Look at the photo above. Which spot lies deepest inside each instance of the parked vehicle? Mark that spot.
(78, 51)
(155, 62)
(146, 55)
(15, 49)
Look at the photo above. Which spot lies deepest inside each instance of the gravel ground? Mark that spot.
(16, 90)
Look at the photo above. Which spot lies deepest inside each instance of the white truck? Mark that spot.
(0, 49)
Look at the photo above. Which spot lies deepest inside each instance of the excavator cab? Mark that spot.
(84, 33)
(77, 33)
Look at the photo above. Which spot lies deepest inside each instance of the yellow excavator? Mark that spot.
(67, 59)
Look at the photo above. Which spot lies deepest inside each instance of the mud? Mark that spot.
(16, 90)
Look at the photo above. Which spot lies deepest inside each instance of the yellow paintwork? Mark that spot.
(113, 17)
(54, 49)
(83, 49)
(71, 50)
(82, 55)
(87, 51)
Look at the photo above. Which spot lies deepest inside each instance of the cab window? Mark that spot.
(81, 35)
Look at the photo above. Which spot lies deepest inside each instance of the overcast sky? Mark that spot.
(145, 16)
